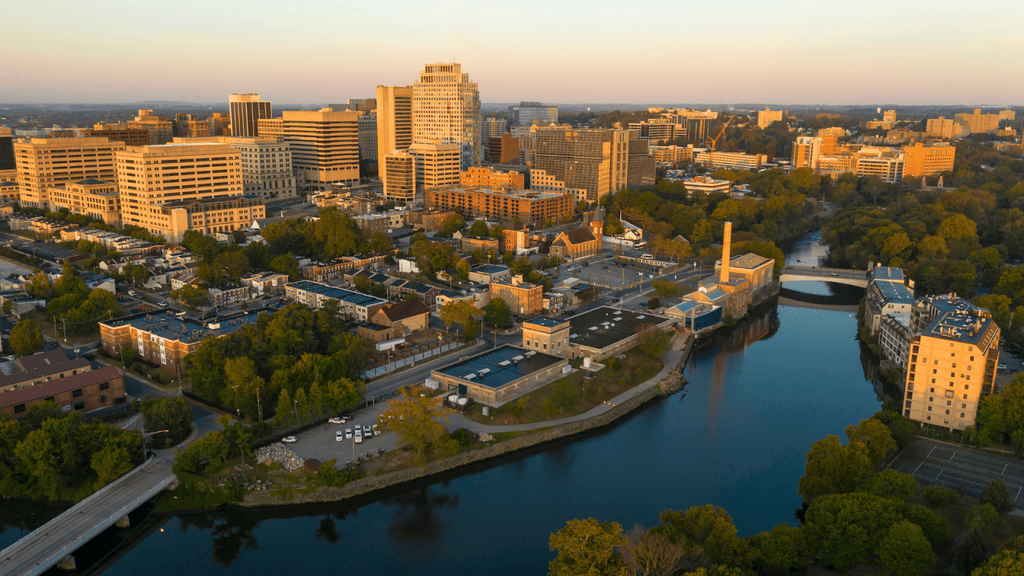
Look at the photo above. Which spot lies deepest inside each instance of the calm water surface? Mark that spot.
(735, 437)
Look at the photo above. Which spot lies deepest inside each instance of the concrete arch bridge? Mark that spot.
(857, 278)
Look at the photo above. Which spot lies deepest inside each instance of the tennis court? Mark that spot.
(966, 471)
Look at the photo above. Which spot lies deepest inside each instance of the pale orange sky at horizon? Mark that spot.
(794, 51)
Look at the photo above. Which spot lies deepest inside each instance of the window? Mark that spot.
(936, 362)
(961, 415)
(954, 364)
(77, 393)
(104, 385)
(79, 405)
(19, 408)
(964, 406)
(949, 393)
(932, 390)
(947, 412)
(965, 396)
(929, 409)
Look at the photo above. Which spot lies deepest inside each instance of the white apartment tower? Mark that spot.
(446, 108)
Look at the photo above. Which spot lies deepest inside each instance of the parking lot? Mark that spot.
(320, 443)
(965, 471)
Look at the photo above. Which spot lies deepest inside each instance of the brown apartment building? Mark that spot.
(52, 376)
(503, 205)
(523, 298)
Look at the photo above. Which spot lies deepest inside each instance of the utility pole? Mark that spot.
(65, 320)
(259, 407)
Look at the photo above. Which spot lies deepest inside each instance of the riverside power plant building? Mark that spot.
(500, 375)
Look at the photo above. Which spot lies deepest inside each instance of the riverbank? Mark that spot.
(667, 384)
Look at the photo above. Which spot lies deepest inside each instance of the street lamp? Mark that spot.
(144, 436)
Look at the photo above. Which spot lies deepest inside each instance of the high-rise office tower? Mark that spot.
(599, 161)
(446, 108)
(6, 149)
(527, 112)
(45, 162)
(400, 166)
(173, 188)
(161, 130)
(325, 145)
(394, 121)
(246, 110)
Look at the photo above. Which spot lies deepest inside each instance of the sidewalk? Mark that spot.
(671, 360)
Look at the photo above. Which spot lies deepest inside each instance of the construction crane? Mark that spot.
(714, 141)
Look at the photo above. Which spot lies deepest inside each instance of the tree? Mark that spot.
(479, 228)
(892, 484)
(380, 243)
(1005, 563)
(171, 414)
(664, 287)
(285, 264)
(904, 551)
(652, 340)
(846, 528)
(779, 552)
(998, 495)
(833, 468)
(116, 458)
(649, 553)
(421, 422)
(710, 527)
(586, 548)
(242, 380)
(461, 312)
(26, 338)
(875, 436)
(451, 225)
(497, 313)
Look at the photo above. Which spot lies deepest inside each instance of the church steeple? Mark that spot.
(597, 223)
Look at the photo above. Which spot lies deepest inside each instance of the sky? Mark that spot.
(900, 52)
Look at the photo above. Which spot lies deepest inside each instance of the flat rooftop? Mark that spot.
(340, 294)
(546, 322)
(960, 320)
(490, 269)
(166, 324)
(605, 326)
(496, 368)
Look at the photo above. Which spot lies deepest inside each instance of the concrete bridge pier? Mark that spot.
(123, 522)
(67, 564)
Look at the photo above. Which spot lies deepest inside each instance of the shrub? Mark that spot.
(461, 436)
(939, 496)
(998, 495)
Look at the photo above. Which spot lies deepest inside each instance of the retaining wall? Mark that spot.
(671, 383)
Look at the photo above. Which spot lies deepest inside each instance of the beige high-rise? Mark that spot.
(45, 162)
(246, 110)
(437, 165)
(394, 121)
(446, 108)
(173, 188)
(325, 145)
(161, 130)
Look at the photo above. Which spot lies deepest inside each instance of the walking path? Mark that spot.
(671, 359)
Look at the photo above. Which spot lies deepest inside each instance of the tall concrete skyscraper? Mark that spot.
(246, 110)
(446, 108)
(325, 145)
(394, 123)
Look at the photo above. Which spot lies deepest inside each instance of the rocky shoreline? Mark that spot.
(673, 382)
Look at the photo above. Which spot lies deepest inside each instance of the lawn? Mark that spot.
(573, 394)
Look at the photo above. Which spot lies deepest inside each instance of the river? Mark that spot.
(736, 437)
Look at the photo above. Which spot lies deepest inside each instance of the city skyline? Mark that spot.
(737, 51)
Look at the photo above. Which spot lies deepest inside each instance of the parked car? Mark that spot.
(348, 432)
(359, 437)
(339, 436)
(289, 439)
(1001, 367)
(337, 420)
(367, 431)
(376, 430)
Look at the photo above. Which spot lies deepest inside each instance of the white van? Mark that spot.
(132, 293)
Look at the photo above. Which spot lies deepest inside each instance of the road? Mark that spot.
(58, 538)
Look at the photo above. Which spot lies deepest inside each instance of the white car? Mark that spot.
(376, 430)
(348, 432)
(359, 437)
(339, 436)
(337, 420)
(289, 439)
(367, 431)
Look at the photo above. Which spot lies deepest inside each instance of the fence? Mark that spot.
(410, 357)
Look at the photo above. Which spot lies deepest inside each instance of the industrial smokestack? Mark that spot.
(726, 245)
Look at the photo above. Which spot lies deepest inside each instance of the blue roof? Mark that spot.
(339, 294)
(546, 322)
(490, 269)
(892, 293)
(498, 374)
(687, 305)
(716, 294)
(166, 324)
(960, 320)
(889, 273)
